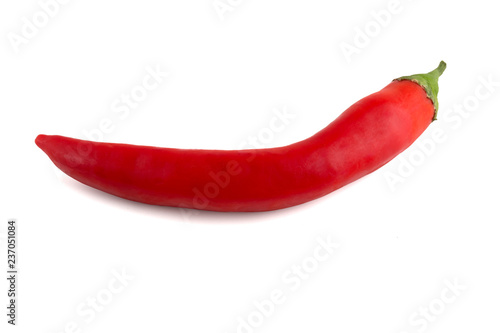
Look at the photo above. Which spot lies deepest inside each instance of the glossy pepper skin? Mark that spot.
(362, 139)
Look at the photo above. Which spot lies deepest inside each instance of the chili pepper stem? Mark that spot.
(429, 82)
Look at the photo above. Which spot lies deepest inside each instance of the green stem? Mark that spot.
(429, 82)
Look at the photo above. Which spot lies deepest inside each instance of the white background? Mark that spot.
(204, 271)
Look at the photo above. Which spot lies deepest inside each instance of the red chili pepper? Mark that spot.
(363, 138)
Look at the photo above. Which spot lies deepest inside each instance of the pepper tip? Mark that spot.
(41, 141)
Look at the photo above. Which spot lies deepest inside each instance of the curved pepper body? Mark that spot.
(362, 139)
